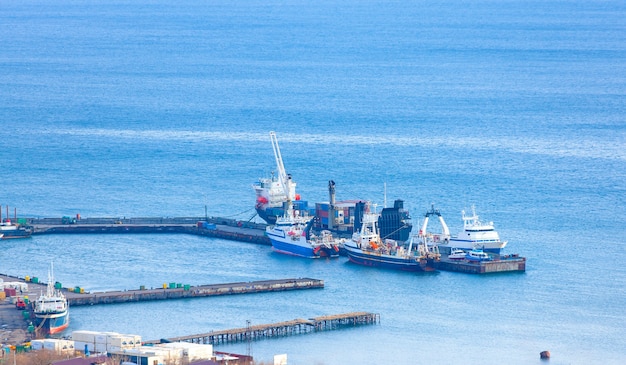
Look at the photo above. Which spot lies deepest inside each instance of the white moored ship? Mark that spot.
(476, 234)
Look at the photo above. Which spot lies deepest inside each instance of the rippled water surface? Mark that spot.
(133, 109)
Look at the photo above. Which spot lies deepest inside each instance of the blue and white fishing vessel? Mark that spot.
(476, 234)
(368, 249)
(292, 235)
(51, 309)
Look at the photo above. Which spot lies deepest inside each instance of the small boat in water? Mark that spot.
(457, 254)
(51, 309)
(476, 234)
(477, 254)
(368, 249)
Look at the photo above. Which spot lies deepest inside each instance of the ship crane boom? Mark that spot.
(289, 187)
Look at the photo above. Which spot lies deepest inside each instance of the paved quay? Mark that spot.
(180, 291)
(12, 322)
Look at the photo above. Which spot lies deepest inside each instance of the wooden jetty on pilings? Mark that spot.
(280, 329)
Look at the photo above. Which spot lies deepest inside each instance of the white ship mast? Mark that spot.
(289, 187)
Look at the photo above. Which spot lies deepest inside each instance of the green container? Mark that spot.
(58, 285)
(26, 314)
(35, 280)
(26, 301)
(77, 289)
(143, 287)
(179, 285)
(186, 287)
(172, 285)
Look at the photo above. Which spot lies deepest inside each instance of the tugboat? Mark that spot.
(51, 309)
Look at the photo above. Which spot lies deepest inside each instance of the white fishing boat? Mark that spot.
(51, 308)
(456, 254)
(476, 234)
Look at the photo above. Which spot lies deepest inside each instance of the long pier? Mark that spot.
(280, 329)
(179, 291)
(77, 296)
(225, 228)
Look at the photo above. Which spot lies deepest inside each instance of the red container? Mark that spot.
(10, 292)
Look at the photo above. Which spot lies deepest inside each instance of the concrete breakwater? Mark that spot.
(179, 291)
(225, 228)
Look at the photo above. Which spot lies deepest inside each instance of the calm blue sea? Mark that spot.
(159, 108)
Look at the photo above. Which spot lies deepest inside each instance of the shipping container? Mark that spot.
(84, 336)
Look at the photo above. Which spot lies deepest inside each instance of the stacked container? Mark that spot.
(104, 341)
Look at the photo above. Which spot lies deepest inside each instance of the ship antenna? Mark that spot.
(50, 271)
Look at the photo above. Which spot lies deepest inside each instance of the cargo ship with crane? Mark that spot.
(341, 218)
(291, 233)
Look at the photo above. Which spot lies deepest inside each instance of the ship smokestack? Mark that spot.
(331, 208)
